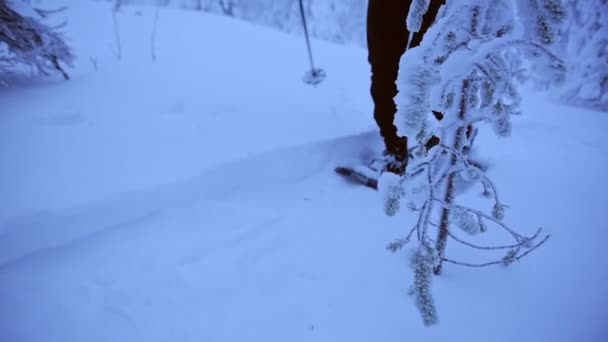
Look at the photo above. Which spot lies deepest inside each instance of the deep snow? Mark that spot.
(192, 198)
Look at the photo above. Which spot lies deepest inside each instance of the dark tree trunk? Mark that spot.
(451, 180)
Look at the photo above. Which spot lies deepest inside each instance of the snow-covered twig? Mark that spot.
(488, 184)
(460, 157)
(115, 9)
(421, 217)
(499, 262)
(431, 194)
(153, 40)
(480, 214)
(422, 263)
(516, 245)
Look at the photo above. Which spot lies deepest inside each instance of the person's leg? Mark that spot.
(386, 40)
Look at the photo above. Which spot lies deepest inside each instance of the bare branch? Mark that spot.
(409, 235)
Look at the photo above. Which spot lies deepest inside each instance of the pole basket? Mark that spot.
(314, 76)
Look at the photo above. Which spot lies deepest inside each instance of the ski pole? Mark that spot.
(314, 75)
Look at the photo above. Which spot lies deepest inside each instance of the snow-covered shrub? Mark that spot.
(585, 45)
(27, 42)
(465, 69)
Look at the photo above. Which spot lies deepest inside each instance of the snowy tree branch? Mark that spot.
(466, 72)
(516, 245)
(25, 41)
(509, 258)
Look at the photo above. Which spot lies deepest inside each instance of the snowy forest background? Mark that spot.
(583, 43)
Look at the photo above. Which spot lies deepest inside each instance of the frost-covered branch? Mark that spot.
(26, 41)
(469, 244)
(511, 256)
(422, 262)
(496, 217)
(115, 10)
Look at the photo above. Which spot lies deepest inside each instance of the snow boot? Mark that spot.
(394, 158)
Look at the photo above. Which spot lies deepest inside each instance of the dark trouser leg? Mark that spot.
(386, 40)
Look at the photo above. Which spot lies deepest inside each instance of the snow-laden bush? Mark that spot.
(465, 68)
(585, 45)
(26, 42)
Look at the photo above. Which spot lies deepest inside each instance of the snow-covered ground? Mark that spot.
(193, 198)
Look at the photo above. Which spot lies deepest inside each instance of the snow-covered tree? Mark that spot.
(585, 44)
(464, 69)
(25, 41)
